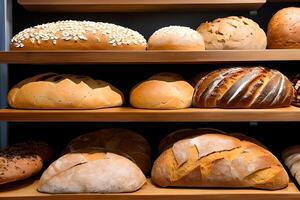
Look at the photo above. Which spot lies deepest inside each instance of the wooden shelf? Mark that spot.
(27, 191)
(124, 114)
(137, 5)
(145, 57)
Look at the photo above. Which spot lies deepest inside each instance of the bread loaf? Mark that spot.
(121, 141)
(176, 38)
(91, 172)
(78, 35)
(291, 157)
(241, 87)
(22, 160)
(216, 160)
(162, 91)
(232, 33)
(296, 83)
(65, 91)
(284, 29)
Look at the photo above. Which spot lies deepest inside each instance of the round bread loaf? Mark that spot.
(284, 29)
(240, 87)
(65, 91)
(22, 160)
(296, 84)
(162, 91)
(176, 38)
(116, 140)
(78, 35)
(91, 172)
(232, 33)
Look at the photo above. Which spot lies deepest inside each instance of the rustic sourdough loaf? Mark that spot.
(241, 87)
(232, 33)
(216, 160)
(78, 35)
(162, 91)
(284, 29)
(63, 91)
(176, 38)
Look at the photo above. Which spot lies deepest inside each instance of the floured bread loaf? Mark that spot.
(176, 38)
(216, 160)
(291, 157)
(63, 91)
(78, 35)
(91, 172)
(233, 33)
(240, 87)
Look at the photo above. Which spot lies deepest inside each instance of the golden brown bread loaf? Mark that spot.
(116, 140)
(240, 87)
(216, 160)
(78, 35)
(91, 171)
(284, 29)
(296, 83)
(22, 160)
(291, 157)
(162, 91)
(63, 91)
(232, 33)
(176, 38)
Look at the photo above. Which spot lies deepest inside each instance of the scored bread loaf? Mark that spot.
(232, 33)
(216, 160)
(91, 171)
(23, 160)
(162, 91)
(241, 87)
(176, 38)
(291, 157)
(78, 35)
(284, 29)
(117, 140)
(296, 83)
(63, 91)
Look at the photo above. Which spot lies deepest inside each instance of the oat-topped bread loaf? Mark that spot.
(176, 38)
(63, 91)
(22, 160)
(232, 33)
(242, 87)
(291, 157)
(216, 160)
(91, 171)
(296, 83)
(162, 91)
(78, 35)
(284, 29)
(123, 141)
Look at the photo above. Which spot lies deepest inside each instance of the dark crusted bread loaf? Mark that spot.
(22, 160)
(241, 87)
(216, 160)
(296, 83)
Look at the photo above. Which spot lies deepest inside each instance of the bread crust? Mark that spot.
(65, 91)
(291, 157)
(284, 29)
(232, 33)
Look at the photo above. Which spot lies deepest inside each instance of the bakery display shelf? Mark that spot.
(28, 191)
(127, 114)
(137, 5)
(145, 57)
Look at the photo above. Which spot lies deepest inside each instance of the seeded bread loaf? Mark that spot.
(240, 87)
(232, 33)
(22, 160)
(176, 38)
(216, 160)
(65, 91)
(162, 91)
(296, 83)
(91, 171)
(284, 29)
(78, 35)
(291, 157)
(122, 141)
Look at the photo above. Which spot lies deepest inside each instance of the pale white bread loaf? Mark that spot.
(232, 33)
(65, 91)
(78, 35)
(176, 38)
(162, 91)
(91, 172)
